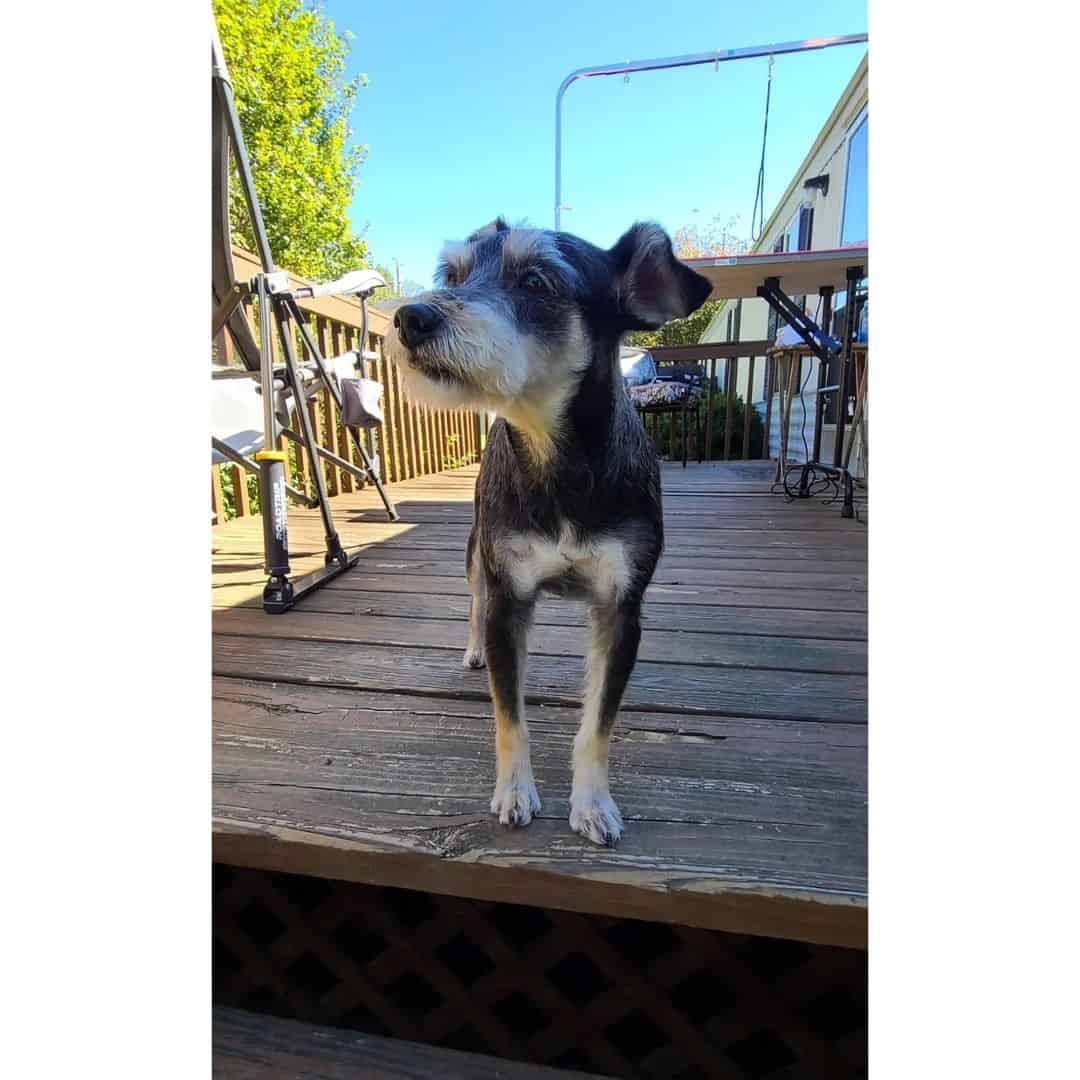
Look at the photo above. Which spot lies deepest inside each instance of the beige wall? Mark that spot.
(827, 155)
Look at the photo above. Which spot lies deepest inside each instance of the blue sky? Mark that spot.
(459, 116)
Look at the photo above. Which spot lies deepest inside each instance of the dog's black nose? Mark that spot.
(417, 322)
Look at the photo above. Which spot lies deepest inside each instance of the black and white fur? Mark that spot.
(527, 324)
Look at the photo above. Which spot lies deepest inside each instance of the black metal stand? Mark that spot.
(815, 476)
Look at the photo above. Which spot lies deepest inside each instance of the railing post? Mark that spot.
(748, 408)
(240, 491)
(729, 402)
(710, 368)
(217, 499)
(767, 390)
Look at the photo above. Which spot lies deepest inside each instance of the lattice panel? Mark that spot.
(611, 996)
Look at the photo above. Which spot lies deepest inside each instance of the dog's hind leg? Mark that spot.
(616, 631)
(506, 634)
(474, 651)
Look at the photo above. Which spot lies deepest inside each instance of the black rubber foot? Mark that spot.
(277, 596)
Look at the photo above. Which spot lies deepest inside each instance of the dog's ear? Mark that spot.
(653, 286)
(493, 227)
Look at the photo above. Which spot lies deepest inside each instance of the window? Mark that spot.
(800, 230)
(853, 229)
(774, 321)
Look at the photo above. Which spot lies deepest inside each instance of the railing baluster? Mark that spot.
(333, 413)
(414, 438)
(217, 499)
(421, 437)
(348, 450)
(389, 428)
(710, 369)
(241, 500)
(459, 442)
(748, 408)
(438, 436)
(729, 403)
(770, 379)
(401, 433)
(319, 419)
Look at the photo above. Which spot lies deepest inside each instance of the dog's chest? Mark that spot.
(600, 566)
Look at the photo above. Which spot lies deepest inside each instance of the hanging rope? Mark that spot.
(757, 217)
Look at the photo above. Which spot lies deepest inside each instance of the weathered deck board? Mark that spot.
(255, 1046)
(717, 619)
(781, 694)
(657, 643)
(350, 743)
(668, 572)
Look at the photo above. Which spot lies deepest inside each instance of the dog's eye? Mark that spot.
(532, 280)
(451, 279)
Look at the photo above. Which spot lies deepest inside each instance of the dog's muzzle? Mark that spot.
(417, 323)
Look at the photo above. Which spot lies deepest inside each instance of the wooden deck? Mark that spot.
(350, 743)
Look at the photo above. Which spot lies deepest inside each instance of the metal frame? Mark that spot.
(278, 306)
(824, 348)
(717, 57)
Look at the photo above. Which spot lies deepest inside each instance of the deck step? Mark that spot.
(252, 1046)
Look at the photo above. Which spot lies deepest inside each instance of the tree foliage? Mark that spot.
(287, 64)
(686, 331)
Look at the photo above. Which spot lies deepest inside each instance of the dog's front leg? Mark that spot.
(616, 631)
(506, 631)
(474, 651)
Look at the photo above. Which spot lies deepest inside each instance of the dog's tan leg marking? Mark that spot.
(506, 634)
(612, 651)
(474, 651)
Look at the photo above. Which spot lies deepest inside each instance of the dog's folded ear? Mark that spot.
(653, 286)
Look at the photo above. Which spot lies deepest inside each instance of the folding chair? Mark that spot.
(250, 419)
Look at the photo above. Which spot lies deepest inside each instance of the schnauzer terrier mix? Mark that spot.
(527, 324)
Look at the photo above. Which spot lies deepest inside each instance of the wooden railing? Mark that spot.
(728, 427)
(415, 440)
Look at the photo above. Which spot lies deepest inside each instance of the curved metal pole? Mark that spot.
(690, 60)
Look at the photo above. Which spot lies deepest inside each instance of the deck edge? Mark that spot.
(816, 919)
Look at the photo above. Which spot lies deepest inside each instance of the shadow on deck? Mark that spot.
(349, 743)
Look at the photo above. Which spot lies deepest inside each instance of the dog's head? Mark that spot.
(521, 313)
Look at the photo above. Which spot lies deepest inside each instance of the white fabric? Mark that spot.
(361, 404)
(356, 281)
(236, 416)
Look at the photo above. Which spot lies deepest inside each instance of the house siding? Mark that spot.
(827, 156)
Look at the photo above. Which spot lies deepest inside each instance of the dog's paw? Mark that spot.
(515, 802)
(474, 658)
(596, 817)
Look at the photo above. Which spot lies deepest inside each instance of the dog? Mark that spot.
(527, 323)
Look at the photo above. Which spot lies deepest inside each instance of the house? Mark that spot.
(824, 206)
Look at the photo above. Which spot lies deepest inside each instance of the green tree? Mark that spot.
(287, 64)
(686, 331)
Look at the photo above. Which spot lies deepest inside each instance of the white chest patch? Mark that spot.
(601, 564)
